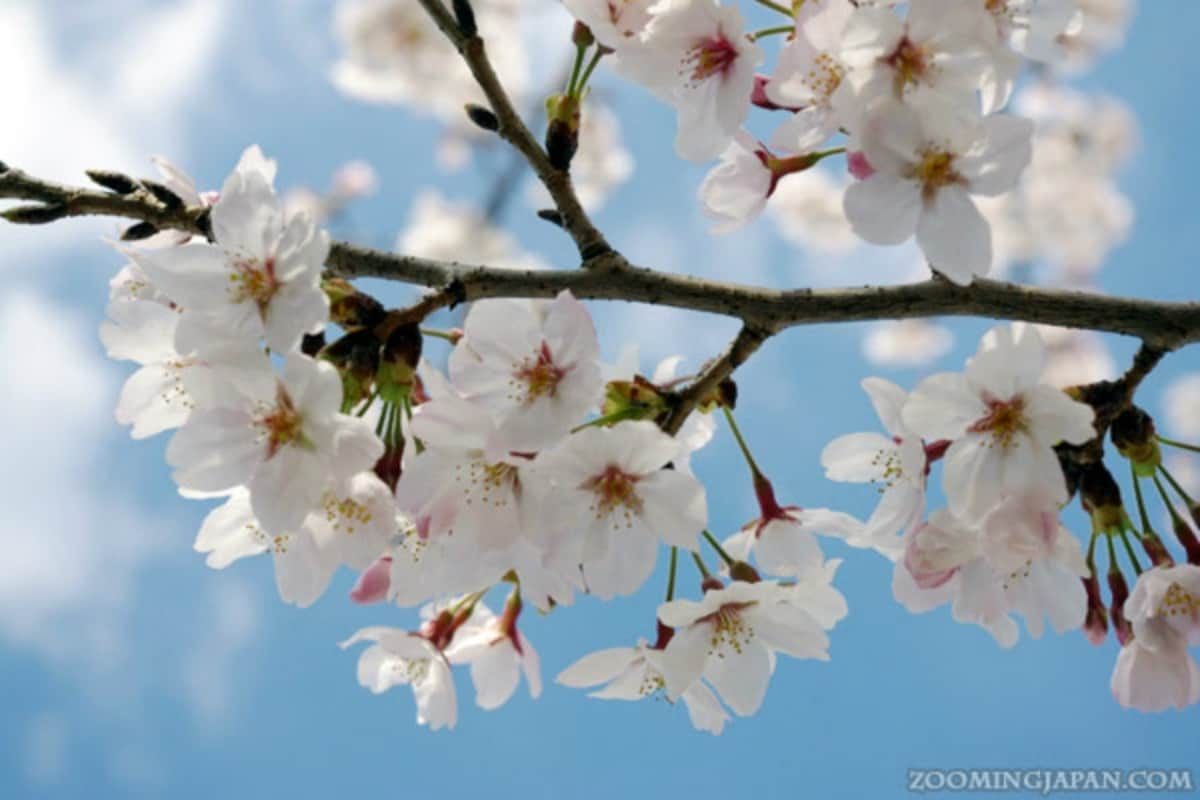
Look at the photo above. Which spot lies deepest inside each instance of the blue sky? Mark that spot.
(131, 669)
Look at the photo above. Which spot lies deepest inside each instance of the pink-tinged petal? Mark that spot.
(954, 236)
(373, 584)
(1155, 680)
(859, 165)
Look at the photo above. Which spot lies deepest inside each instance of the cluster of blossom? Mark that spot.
(509, 480)
(999, 546)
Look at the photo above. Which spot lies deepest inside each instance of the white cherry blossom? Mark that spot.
(1019, 558)
(1156, 678)
(353, 525)
(615, 501)
(1002, 422)
(634, 673)
(259, 280)
(936, 47)
(729, 637)
(614, 23)
(928, 160)
(396, 658)
(286, 445)
(897, 462)
(498, 655)
(532, 364)
(695, 57)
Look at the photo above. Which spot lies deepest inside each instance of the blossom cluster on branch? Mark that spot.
(531, 466)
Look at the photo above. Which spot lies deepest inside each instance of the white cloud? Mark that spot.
(113, 98)
(72, 544)
(230, 619)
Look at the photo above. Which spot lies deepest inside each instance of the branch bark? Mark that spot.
(1161, 325)
(575, 220)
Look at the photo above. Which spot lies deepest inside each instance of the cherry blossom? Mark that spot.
(896, 462)
(352, 526)
(1156, 679)
(616, 500)
(613, 22)
(498, 655)
(809, 75)
(286, 445)
(729, 637)
(532, 364)
(1019, 558)
(928, 160)
(936, 47)
(1002, 423)
(261, 278)
(634, 673)
(695, 57)
(396, 658)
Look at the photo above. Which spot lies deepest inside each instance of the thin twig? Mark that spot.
(588, 239)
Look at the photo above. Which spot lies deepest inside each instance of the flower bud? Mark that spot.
(356, 356)
(741, 571)
(759, 97)
(115, 182)
(1133, 435)
(1095, 625)
(1187, 537)
(581, 35)
(562, 132)
(1101, 498)
(398, 362)
(482, 117)
(635, 399)
(138, 232)
(464, 15)
(1116, 609)
(349, 308)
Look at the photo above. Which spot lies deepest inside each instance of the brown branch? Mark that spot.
(1163, 326)
(575, 220)
(744, 345)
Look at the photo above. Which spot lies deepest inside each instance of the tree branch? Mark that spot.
(1162, 326)
(744, 345)
(575, 220)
